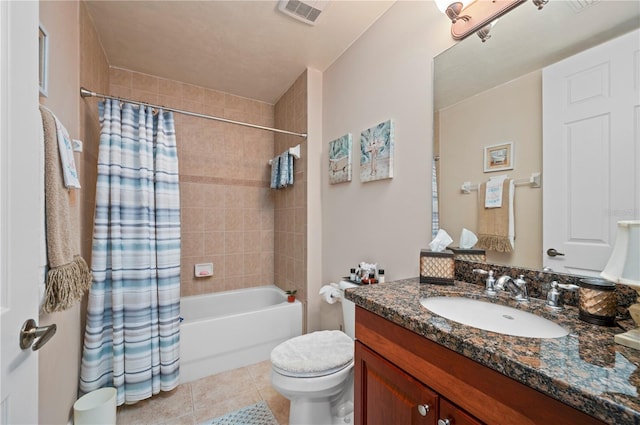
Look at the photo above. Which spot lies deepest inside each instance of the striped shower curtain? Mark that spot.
(132, 332)
(435, 214)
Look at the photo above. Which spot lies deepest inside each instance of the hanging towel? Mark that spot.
(495, 225)
(493, 192)
(282, 170)
(283, 175)
(68, 164)
(275, 172)
(68, 276)
(435, 217)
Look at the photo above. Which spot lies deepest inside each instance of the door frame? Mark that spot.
(21, 207)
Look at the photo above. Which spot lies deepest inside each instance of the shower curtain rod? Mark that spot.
(88, 93)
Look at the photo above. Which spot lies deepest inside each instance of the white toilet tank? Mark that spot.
(348, 311)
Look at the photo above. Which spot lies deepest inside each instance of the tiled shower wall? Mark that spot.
(291, 202)
(227, 208)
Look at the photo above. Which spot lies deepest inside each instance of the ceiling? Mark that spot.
(246, 48)
(527, 39)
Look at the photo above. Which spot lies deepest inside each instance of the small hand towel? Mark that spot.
(68, 276)
(67, 162)
(275, 172)
(495, 225)
(284, 170)
(493, 192)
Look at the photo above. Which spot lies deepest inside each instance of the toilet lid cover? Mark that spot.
(315, 354)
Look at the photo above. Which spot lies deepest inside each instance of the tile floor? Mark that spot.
(208, 398)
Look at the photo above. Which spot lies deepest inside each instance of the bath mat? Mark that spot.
(256, 414)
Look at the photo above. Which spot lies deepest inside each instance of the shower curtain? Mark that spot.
(133, 314)
(435, 215)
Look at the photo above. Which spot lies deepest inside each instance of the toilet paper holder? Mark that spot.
(331, 293)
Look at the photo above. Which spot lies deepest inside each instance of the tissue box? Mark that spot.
(436, 267)
(474, 255)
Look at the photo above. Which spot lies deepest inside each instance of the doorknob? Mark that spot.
(551, 252)
(30, 331)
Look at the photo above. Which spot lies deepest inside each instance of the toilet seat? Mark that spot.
(315, 354)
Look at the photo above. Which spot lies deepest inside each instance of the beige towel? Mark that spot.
(493, 223)
(68, 276)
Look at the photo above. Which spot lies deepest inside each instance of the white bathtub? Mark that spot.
(227, 330)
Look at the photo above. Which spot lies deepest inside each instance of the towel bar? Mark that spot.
(295, 151)
(532, 181)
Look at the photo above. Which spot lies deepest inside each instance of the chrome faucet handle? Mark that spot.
(553, 296)
(489, 282)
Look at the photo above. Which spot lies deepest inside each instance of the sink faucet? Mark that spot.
(517, 287)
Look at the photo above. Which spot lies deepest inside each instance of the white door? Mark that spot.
(591, 150)
(20, 207)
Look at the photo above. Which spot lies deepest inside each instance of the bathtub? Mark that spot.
(227, 330)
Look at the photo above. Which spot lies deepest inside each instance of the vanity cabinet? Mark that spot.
(397, 370)
(387, 395)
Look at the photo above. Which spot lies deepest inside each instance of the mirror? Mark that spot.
(491, 93)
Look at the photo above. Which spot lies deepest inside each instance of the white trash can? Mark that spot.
(96, 407)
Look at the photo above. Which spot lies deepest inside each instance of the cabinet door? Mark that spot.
(451, 415)
(385, 395)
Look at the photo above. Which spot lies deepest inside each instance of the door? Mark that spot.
(21, 220)
(387, 395)
(591, 120)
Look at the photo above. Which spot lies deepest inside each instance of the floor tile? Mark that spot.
(208, 398)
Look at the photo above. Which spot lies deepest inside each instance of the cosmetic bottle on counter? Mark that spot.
(380, 275)
(352, 275)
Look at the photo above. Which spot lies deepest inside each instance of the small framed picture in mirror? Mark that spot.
(498, 157)
(43, 43)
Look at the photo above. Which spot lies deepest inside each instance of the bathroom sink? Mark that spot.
(493, 317)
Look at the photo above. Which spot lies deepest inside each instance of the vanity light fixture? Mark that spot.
(469, 16)
(483, 32)
(453, 9)
(624, 267)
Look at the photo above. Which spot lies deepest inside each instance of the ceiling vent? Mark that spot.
(579, 5)
(306, 11)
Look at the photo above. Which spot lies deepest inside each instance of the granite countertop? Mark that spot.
(586, 369)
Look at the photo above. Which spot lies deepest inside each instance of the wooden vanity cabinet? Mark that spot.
(397, 370)
(386, 395)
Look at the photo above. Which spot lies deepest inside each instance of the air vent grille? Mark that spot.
(579, 5)
(305, 11)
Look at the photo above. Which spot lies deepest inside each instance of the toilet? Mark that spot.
(315, 372)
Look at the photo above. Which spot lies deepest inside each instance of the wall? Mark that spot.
(59, 359)
(315, 164)
(94, 75)
(385, 74)
(510, 112)
(226, 205)
(290, 266)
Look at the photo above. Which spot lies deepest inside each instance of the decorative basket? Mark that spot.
(436, 267)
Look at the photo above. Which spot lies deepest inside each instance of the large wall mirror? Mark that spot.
(491, 93)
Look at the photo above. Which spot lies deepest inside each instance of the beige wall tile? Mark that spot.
(169, 88)
(227, 207)
(120, 77)
(144, 82)
(214, 243)
(193, 93)
(233, 242)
